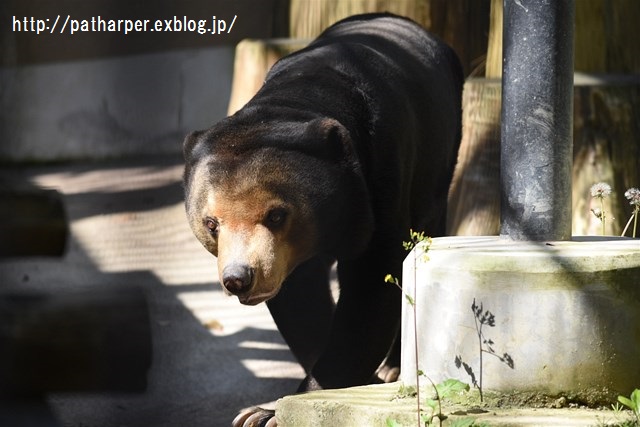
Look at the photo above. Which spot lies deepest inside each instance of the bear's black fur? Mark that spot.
(350, 143)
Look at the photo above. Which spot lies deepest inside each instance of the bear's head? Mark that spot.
(264, 198)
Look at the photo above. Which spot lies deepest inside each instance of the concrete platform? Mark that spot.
(564, 316)
(377, 405)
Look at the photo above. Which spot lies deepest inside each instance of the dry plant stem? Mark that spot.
(416, 238)
(415, 337)
(415, 334)
(633, 216)
(603, 216)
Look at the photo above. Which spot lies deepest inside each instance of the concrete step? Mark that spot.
(379, 405)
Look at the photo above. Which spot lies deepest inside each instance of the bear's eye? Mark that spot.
(275, 218)
(212, 226)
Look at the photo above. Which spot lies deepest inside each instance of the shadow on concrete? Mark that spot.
(197, 378)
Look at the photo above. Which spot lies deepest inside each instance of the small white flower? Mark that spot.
(597, 213)
(633, 194)
(600, 190)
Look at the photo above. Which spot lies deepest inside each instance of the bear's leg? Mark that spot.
(389, 371)
(303, 310)
(366, 322)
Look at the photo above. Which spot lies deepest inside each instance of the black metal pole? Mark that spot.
(537, 113)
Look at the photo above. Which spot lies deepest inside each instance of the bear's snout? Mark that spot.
(237, 278)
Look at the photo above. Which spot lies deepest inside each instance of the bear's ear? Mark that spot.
(191, 143)
(328, 138)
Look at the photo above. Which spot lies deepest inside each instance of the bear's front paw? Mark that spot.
(255, 417)
(388, 374)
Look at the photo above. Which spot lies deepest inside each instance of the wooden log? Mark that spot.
(83, 341)
(606, 149)
(309, 18)
(494, 49)
(32, 223)
(474, 197)
(605, 37)
(464, 25)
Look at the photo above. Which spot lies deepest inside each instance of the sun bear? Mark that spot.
(349, 143)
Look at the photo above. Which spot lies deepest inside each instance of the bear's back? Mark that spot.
(368, 70)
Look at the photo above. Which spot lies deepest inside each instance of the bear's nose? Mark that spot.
(236, 278)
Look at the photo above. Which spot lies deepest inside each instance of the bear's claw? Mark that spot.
(255, 417)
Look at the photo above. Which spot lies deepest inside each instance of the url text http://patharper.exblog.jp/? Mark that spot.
(98, 24)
